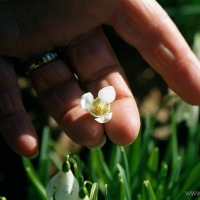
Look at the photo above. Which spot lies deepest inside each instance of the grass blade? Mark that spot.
(125, 182)
(125, 164)
(43, 164)
(148, 193)
(32, 175)
(99, 169)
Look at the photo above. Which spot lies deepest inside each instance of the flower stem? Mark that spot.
(33, 178)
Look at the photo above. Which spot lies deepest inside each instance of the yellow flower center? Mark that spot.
(99, 107)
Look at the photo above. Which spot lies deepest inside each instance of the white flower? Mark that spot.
(86, 198)
(196, 44)
(62, 186)
(99, 107)
(188, 113)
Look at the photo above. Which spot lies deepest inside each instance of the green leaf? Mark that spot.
(133, 155)
(152, 167)
(139, 197)
(125, 164)
(186, 10)
(153, 160)
(99, 169)
(107, 195)
(147, 191)
(125, 182)
(114, 158)
(193, 177)
(146, 139)
(56, 160)
(32, 175)
(172, 149)
(173, 141)
(176, 172)
(121, 192)
(43, 164)
(161, 180)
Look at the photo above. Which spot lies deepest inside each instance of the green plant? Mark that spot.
(148, 169)
(141, 171)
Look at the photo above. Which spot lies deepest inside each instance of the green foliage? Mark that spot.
(185, 14)
(148, 169)
(140, 171)
(40, 176)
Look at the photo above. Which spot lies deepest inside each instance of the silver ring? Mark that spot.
(39, 61)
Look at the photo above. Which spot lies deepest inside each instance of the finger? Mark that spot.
(15, 125)
(146, 25)
(60, 93)
(97, 67)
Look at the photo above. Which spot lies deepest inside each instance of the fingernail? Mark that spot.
(33, 156)
(101, 144)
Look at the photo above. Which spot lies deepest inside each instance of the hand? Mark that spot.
(28, 28)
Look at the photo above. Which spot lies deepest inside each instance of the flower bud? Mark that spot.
(63, 185)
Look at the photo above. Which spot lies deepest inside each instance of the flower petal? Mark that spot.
(85, 198)
(64, 185)
(187, 113)
(107, 94)
(86, 100)
(104, 118)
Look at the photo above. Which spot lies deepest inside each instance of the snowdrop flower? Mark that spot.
(85, 198)
(63, 185)
(99, 107)
(187, 113)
